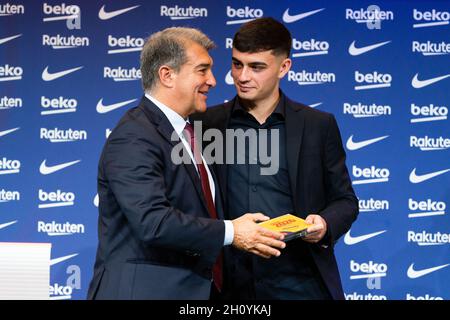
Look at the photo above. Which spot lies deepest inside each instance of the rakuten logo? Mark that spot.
(425, 208)
(369, 296)
(7, 196)
(55, 199)
(428, 113)
(62, 42)
(247, 13)
(121, 74)
(59, 229)
(372, 17)
(9, 103)
(9, 166)
(311, 47)
(8, 9)
(61, 12)
(428, 239)
(367, 270)
(373, 80)
(58, 105)
(360, 110)
(370, 175)
(372, 205)
(433, 18)
(10, 73)
(56, 135)
(425, 297)
(429, 144)
(125, 44)
(431, 48)
(310, 78)
(180, 13)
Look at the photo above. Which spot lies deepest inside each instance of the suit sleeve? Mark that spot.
(134, 168)
(342, 208)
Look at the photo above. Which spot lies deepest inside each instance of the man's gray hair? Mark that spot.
(168, 47)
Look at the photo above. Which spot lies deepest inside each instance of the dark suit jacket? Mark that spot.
(156, 240)
(318, 176)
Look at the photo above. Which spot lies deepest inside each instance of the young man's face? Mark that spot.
(194, 80)
(257, 75)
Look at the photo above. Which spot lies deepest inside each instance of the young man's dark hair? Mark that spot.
(261, 35)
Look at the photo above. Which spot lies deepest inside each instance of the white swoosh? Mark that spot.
(44, 169)
(289, 19)
(96, 200)
(108, 15)
(101, 108)
(414, 178)
(229, 78)
(46, 76)
(416, 83)
(351, 145)
(61, 259)
(419, 273)
(2, 41)
(349, 240)
(357, 51)
(4, 225)
(4, 133)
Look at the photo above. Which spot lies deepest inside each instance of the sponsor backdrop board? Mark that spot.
(68, 71)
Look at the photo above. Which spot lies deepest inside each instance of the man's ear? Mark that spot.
(166, 76)
(284, 67)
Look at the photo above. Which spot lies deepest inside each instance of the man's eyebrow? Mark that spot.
(251, 64)
(203, 65)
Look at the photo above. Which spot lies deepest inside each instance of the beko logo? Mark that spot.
(416, 178)
(310, 47)
(352, 145)
(372, 80)
(365, 16)
(413, 273)
(50, 76)
(354, 51)
(9, 166)
(104, 15)
(8, 9)
(428, 239)
(125, 44)
(425, 208)
(9, 103)
(310, 78)
(428, 113)
(59, 292)
(10, 73)
(431, 48)
(425, 297)
(289, 17)
(418, 84)
(369, 296)
(247, 13)
(62, 12)
(360, 110)
(59, 229)
(433, 18)
(62, 42)
(56, 135)
(55, 199)
(429, 144)
(121, 74)
(7, 196)
(367, 270)
(370, 175)
(5, 40)
(372, 205)
(180, 13)
(58, 105)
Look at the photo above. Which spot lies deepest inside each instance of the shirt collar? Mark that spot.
(177, 121)
(280, 108)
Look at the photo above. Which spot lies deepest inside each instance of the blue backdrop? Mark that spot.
(68, 71)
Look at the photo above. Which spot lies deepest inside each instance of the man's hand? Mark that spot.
(318, 229)
(251, 237)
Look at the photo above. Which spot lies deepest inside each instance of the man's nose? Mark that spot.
(211, 80)
(243, 75)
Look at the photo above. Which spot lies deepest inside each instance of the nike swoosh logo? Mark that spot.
(414, 178)
(4, 133)
(61, 259)
(102, 14)
(44, 169)
(349, 240)
(289, 19)
(47, 76)
(412, 274)
(416, 83)
(7, 224)
(101, 108)
(357, 51)
(96, 200)
(351, 145)
(4, 40)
